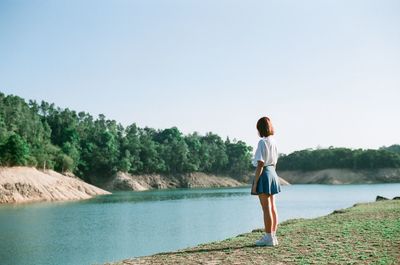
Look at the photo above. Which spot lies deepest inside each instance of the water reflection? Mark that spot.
(128, 224)
(162, 195)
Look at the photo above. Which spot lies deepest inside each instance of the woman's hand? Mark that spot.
(259, 170)
(254, 189)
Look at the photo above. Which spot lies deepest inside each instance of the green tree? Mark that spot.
(130, 150)
(72, 150)
(173, 150)
(64, 163)
(239, 157)
(213, 153)
(395, 148)
(15, 151)
(66, 140)
(150, 152)
(193, 141)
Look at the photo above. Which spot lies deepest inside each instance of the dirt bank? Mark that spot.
(125, 181)
(341, 176)
(27, 184)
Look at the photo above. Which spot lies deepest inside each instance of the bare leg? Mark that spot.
(274, 213)
(266, 207)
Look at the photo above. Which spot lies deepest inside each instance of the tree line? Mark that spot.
(46, 136)
(309, 159)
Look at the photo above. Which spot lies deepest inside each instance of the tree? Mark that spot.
(15, 151)
(239, 157)
(213, 153)
(193, 141)
(72, 150)
(64, 163)
(395, 148)
(339, 158)
(173, 150)
(130, 150)
(150, 152)
(50, 137)
(124, 164)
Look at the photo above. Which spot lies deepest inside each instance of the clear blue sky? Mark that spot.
(326, 72)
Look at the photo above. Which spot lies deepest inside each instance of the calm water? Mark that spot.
(129, 224)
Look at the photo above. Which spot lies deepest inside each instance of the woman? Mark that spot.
(266, 182)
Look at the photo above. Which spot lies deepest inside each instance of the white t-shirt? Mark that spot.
(266, 151)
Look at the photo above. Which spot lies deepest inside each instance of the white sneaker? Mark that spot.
(266, 240)
(275, 240)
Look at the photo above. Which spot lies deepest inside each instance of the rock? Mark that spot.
(122, 182)
(381, 198)
(339, 211)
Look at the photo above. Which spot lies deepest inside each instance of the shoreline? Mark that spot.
(27, 185)
(127, 182)
(20, 185)
(372, 227)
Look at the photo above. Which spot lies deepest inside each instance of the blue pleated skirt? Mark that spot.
(268, 182)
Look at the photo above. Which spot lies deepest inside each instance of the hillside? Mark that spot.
(43, 135)
(124, 181)
(27, 184)
(342, 176)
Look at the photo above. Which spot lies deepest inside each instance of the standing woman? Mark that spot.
(266, 181)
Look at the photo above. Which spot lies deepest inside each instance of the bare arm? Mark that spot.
(259, 169)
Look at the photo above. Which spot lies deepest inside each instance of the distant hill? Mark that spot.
(342, 176)
(341, 166)
(341, 158)
(393, 148)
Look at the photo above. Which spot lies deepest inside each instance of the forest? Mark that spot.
(317, 159)
(45, 136)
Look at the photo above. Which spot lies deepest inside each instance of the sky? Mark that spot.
(327, 73)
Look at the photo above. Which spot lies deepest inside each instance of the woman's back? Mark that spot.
(267, 151)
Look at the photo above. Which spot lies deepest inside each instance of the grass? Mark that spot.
(364, 234)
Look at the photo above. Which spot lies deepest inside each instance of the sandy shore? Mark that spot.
(27, 184)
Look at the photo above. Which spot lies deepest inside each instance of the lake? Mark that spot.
(129, 224)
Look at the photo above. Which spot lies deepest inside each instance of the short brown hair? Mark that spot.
(264, 127)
